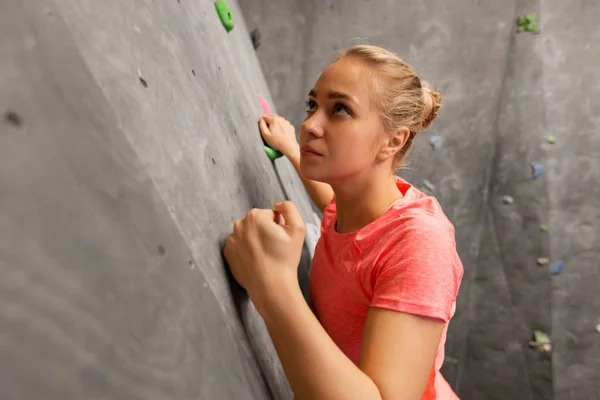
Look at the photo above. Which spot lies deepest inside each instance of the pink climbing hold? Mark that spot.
(264, 104)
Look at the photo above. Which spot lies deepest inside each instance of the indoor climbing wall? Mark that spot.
(128, 147)
(511, 159)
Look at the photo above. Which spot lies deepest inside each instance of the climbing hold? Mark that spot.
(598, 328)
(551, 139)
(225, 14)
(543, 228)
(537, 170)
(508, 199)
(542, 261)
(528, 23)
(428, 185)
(255, 36)
(557, 267)
(270, 152)
(541, 341)
(435, 142)
(532, 27)
(264, 105)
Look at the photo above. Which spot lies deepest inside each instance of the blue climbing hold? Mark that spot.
(435, 142)
(557, 267)
(536, 170)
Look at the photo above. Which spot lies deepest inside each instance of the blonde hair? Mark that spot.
(405, 100)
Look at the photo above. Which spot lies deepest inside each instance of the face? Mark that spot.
(342, 133)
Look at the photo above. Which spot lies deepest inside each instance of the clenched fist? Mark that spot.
(264, 250)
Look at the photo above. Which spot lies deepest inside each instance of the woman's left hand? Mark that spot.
(263, 252)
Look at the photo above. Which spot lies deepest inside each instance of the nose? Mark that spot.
(313, 125)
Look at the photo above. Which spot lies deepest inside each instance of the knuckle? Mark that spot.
(301, 229)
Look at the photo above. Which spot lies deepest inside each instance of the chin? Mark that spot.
(312, 172)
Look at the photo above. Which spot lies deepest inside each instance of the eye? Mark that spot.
(310, 105)
(341, 109)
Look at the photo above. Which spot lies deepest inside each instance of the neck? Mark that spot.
(362, 199)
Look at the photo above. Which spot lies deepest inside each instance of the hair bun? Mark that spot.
(433, 101)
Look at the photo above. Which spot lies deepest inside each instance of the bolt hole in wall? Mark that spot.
(13, 118)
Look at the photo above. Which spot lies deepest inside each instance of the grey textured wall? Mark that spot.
(504, 93)
(116, 198)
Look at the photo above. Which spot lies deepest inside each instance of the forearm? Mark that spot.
(320, 193)
(316, 368)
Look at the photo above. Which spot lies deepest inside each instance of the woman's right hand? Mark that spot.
(279, 135)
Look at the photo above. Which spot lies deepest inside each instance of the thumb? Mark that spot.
(291, 216)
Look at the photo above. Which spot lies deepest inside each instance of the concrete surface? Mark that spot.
(571, 45)
(117, 196)
(504, 93)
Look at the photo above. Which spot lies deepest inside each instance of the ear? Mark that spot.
(394, 143)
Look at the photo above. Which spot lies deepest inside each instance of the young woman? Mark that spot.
(385, 273)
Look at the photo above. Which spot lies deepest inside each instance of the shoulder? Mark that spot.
(417, 236)
(415, 218)
(417, 269)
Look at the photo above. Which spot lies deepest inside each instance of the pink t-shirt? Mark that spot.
(404, 261)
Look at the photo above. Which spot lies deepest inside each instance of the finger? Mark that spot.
(278, 218)
(290, 214)
(264, 129)
(260, 214)
(269, 118)
(237, 227)
(228, 249)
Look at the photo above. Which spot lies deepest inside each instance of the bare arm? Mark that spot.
(397, 354)
(397, 350)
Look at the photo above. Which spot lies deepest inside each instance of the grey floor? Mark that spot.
(128, 146)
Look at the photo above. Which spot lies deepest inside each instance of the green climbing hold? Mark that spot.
(528, 23)
(544, 228)
(551, 140)
(225, 14)
(543, 261)
(532, 27)
(272, 153)
(541, 341)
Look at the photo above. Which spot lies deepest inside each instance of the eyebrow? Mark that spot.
(334, 95)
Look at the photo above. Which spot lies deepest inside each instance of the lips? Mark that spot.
(308, 149)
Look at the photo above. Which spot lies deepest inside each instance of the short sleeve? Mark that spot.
(420, 273)
(329, 215)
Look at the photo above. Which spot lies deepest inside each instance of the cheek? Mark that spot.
(354, 149)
